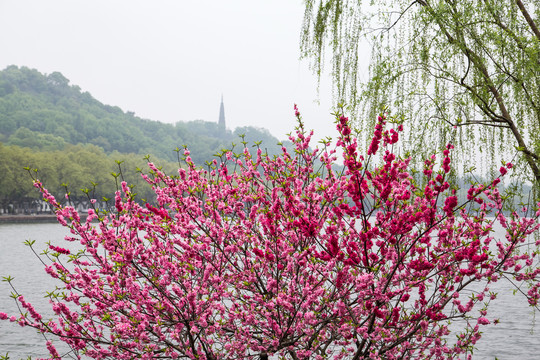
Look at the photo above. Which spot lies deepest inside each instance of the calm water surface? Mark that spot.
(19, 262)
(516, 337)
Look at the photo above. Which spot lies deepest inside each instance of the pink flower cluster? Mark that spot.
(286, 256)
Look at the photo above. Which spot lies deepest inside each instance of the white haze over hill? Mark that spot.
(172, 60)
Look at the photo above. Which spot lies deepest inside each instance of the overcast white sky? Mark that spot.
(170, 60)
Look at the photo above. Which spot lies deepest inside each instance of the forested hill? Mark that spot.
(46, 113)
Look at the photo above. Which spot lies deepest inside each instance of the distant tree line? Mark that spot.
(74, 169)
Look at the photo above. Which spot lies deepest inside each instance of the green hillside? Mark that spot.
(45, 112)
(74, 139)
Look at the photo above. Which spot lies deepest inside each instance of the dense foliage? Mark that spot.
(472, 65)
(264, 256)
(71, 169)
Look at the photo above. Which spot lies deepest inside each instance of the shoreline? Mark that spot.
(21, 219)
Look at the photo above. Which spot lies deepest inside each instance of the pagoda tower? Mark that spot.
(221, 121)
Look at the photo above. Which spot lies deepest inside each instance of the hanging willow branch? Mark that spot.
(465, 67)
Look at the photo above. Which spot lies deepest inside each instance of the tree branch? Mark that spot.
(476, 60)
(528, 18)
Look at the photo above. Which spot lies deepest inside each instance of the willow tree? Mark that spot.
(463, 69)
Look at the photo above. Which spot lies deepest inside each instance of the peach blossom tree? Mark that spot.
(259, 257)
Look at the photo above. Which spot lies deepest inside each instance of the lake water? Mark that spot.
(517, 336)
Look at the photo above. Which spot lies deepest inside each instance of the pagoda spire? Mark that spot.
(221, 121)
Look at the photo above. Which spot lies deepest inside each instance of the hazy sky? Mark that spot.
(170, 60)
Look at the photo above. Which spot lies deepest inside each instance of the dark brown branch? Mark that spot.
(476, 60)
(528, 18)
(482, 122)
